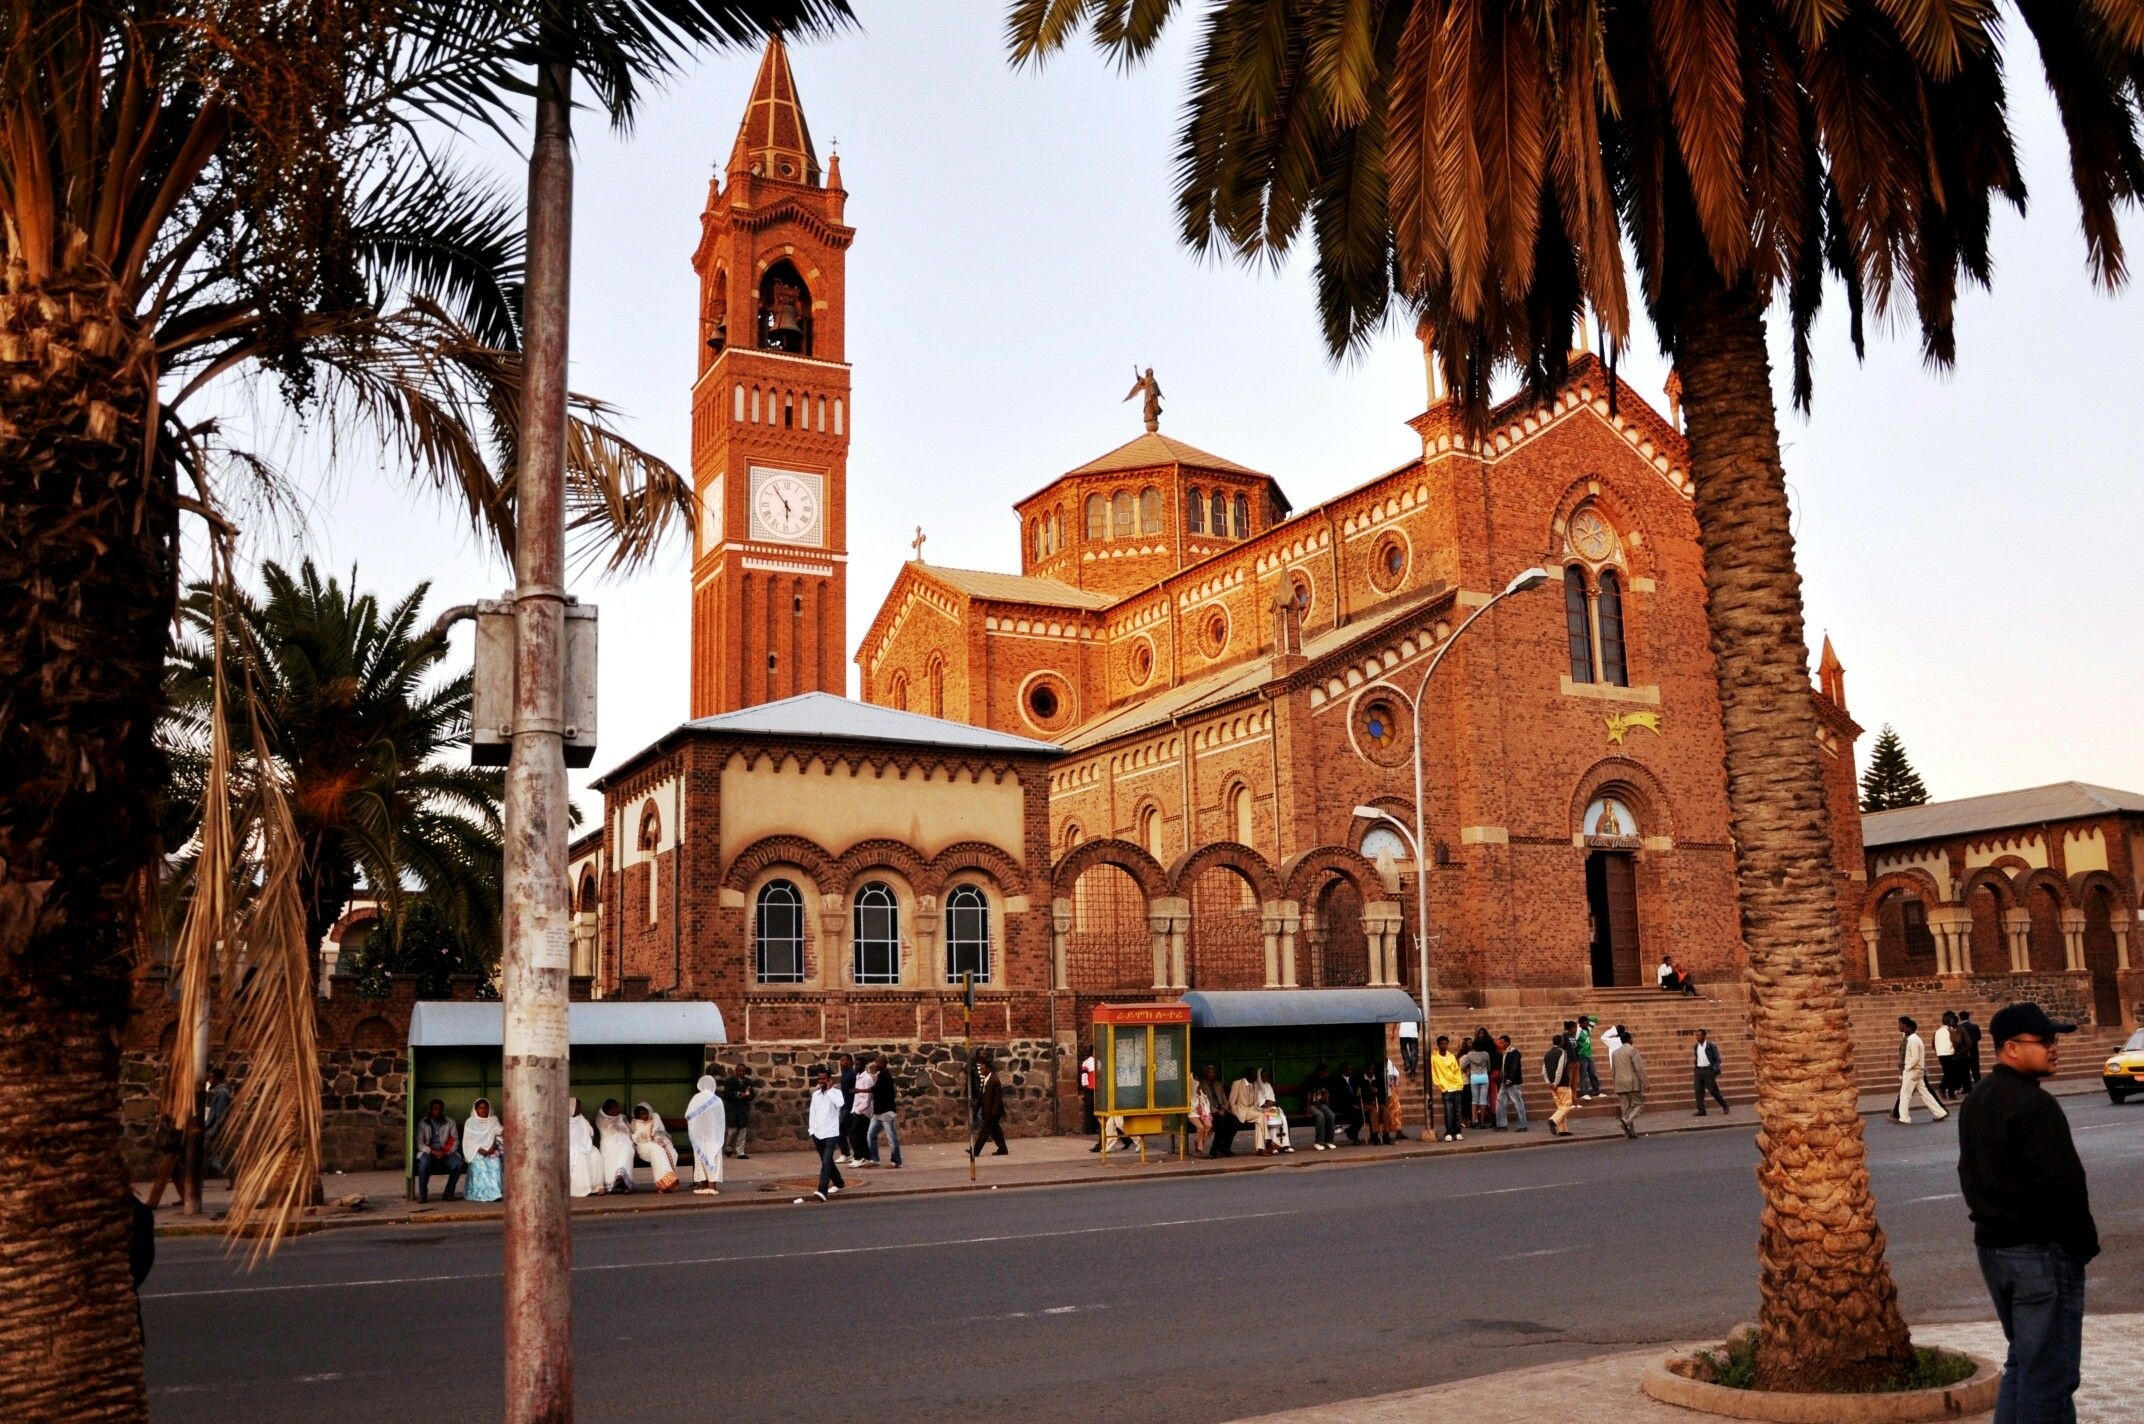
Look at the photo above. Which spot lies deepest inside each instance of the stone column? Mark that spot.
(2073, 938)
(1872, 938)
(1381, 925)
(2017, 928)
(1290, 917)
(1060, 943)
(1169, 919)
(1953, 928)
(2121, 943)
(1269, 924)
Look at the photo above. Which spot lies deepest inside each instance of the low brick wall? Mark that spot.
(361, 1108)
(932, 1103)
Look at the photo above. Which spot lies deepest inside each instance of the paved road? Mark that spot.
(1186, 1300)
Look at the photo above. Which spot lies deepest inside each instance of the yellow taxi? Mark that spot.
(2124, 1073)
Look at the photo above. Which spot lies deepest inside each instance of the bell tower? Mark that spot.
(770, 414)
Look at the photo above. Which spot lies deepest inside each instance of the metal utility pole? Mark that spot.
(537, 924)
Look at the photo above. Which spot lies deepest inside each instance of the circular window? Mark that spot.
(1213, 633)
(1381, 730)
(1389, 563)
(1046, 702)
(1141, 663)
(1043, 700)
(788, 171)
(1300, 595)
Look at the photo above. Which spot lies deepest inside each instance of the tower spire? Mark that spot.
(774, 141)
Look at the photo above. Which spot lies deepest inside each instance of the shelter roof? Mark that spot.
(2062, 801)
(1299, 1008)
(475, 1024)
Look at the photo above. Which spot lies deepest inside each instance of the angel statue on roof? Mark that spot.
(1152, 388)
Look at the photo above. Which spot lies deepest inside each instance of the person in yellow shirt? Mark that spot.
(1451, 1085)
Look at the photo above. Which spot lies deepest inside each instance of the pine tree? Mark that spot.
(1891, 781)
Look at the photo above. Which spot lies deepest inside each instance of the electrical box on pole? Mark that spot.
(491, 715)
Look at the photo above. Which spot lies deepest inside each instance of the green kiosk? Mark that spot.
(653, 1052)
(1288, 1032)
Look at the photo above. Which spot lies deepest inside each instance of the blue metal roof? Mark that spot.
(475, 1024)
(1299, 1008)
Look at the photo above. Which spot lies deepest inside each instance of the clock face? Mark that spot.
(711, 514)
(1591, 536)
(785, 506)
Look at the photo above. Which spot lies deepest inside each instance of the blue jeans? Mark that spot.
(883, 1122)
(2039, 1297)
(1511, 1098)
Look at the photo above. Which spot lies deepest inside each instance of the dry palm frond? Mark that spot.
(274, 1128)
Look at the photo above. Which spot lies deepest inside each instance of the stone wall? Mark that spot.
(362, 1115)
(932, 1105)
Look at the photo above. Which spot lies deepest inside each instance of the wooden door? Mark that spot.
(1620, 877)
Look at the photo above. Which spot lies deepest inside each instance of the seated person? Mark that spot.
(1683, 983)
(1275, 1121)
(1666, 974)
(652, 1144)
(439, 1149)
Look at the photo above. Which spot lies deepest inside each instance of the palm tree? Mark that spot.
(192, 196)
(1477, 165)
(362, 730)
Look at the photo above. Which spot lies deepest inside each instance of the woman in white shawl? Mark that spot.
(484, 1145)
(704, 1123)
(651, 1140)
(615, 1139)
(586, 1175)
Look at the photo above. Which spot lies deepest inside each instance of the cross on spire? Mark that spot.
(917, 543)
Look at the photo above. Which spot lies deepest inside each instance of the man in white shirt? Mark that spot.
(1665, 975)
(827, 1103)
(1705, 1073)
(1411, 1046)
(1913, 1073)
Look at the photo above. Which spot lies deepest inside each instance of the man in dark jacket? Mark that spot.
(737, 1095)
(2032, 1215)
(1345, 1106)
(1705, 1073)
(989, 1108)
(1970, 1031)
(1511, 1078)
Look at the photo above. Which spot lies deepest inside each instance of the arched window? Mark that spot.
(1195, 508)
(778, 934)
(837, 415)
(1097, 517)
(1241, 529)
(1608, 609)
(784, 311)
(897, 692)
(1239, 813)
(1150, 510)
(1220, 514)
(877, 937)
(1057, 528)
(650, 843)
(1150, 831)
(1577, 624)
(967, 935)
(1122, 526)
(935, 676)
(1035, 538)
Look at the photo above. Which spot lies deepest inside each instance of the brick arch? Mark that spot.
(1638, 560)
(1997, 881)
(1632, 782)
(1238, 857)
(2045, 879)
(1918, 883)
(353, 918)
(2012, 865)
(1304, 873)
(587, 898)
(374, 1035)
(806, 855)
(979, 857)
(651, 826)
(1127, 856)
(859, 859)
(2084, 882)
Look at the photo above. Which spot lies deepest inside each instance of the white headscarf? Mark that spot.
(580, 1135)
(705, 1120)
(656, 1132)
(479, 1133)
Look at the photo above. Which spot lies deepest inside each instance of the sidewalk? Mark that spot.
(772, 1177)
(1606, 1387)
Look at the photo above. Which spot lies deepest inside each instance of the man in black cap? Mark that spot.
(2032, 1216)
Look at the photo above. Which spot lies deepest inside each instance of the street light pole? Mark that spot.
(1419, 841)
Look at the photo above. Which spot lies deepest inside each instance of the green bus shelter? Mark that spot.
(653, 1052)
(1288, 1032)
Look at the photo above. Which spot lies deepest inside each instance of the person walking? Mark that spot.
(1581, 1045)
(1705, 1074)
(737, 1094)
(860, 1116)
(1913, 1073)
(1970, 1031)
(844, 1156)
(2032, 1216)
(1628, 1073)
(1450, 1083)
(1556, 1071)
(989, 1107)
(1087, 1122)
(215, 1112)
(1410, 1046)
(885, 1114)
(1951, 1084)
(705, 1129)
(1511, 1083)
(828, 1103)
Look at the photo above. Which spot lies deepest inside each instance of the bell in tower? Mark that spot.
(784, 311)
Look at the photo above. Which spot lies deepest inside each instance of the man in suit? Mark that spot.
(1627, 1071)
(1913, 1073)
(1705, 1074)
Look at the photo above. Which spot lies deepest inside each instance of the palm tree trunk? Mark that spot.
(1828, 1314)
(87, 581)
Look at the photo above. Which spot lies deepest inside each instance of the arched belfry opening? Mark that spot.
(784, 311)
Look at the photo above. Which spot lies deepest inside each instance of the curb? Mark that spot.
(1416, 1150)
(1973, 1395)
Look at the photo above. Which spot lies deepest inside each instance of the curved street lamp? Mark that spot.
(1416, 840)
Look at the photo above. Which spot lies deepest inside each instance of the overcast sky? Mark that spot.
(1967, 539)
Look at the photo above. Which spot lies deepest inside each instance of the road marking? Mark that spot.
(1507, 1191)
(671, 1262)
(1939, 1196)
(1530, 1255)
(2095, 1127)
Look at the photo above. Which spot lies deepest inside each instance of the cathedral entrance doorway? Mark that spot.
(1612, 911)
